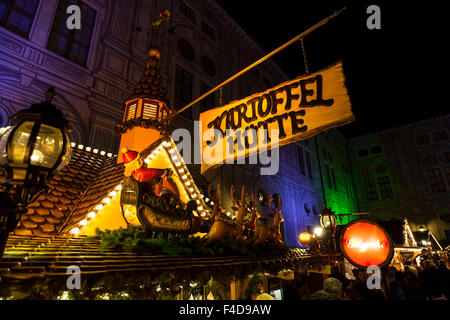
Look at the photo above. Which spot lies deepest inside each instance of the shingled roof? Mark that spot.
(74, 191)
(151, 85)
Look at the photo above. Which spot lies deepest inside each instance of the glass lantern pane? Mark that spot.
(4, 135)
(48, 147)
(20, 140)
(66, 157)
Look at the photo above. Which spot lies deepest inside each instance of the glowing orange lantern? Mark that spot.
(364, 243)
(304, 238)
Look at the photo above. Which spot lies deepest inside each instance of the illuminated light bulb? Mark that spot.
(178, 164)
(194, 196)
(73, 144)
(118, 187)
(202, 195)
(102, 153)
(159, 147)
(109, 154)
(200, 208)
(166, 144)
(206, 199)
(147, 160)
(212, 203)
(203, 214)
(188, 183)
(112, 194)
(99, 207)
(75, 230)
(198, 201)
(151, 156)
(91, 214)
(191, 189)
(228, 213)
(88, 149)
(318, 231)
(95, 150)
(106, 200)
(83, 222)
(184, 177)
(174, 157)
(37, 157)
(171, 151)
(80, 146)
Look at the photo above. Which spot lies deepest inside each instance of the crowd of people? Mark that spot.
(429, 281)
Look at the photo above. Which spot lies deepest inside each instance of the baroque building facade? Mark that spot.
(405, 172)
(94, 70)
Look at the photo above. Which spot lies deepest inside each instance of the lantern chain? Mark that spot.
(220, 96)
(304, 56)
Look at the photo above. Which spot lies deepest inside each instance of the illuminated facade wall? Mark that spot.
(405, 172)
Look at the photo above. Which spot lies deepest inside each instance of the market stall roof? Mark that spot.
(41, 257)
(80, 186)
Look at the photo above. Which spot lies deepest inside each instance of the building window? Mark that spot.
(301, 160)
(334, 180)
(371, 189)
(429, 160)
(385, 187)
(210, 32)
(363, 152)
(187, 11)
(445, 157)
(436, 181)
(327, 169)
(375, 149)
(208, 66)
(186, 50)
(423, 139)
(440, 135)
(18, 15)
(210, 101)
(308, 165)
(72, 44)
(183, 88)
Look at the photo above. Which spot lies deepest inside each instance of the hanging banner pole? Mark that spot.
(301, 35)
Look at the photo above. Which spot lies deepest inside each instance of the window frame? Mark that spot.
(385, 185)
(301, 160)
(72, 34)
(370, 188)
(14, 29)
(436, 181)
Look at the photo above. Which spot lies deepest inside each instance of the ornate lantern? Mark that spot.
(32, 149)
(328, 220)
(35, 147)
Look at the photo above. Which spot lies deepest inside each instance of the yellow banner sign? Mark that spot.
(294, 110)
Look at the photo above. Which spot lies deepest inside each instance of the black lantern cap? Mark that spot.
(45, 112)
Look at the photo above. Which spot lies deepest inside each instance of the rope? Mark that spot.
(304, 56)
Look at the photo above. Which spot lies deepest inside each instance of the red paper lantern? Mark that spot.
(364, 243)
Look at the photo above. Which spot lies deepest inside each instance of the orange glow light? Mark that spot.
(304, 237)
(366, 244)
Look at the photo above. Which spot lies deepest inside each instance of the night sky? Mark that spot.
(395, 75)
